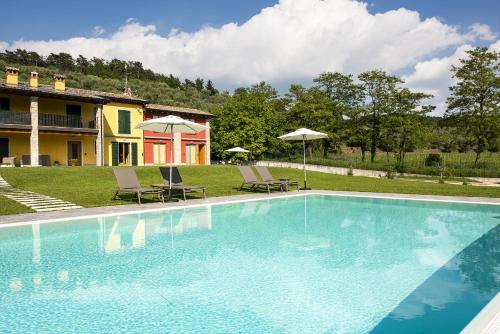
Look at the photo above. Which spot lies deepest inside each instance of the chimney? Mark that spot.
(12, 76)
(33, 79)
(59, 82)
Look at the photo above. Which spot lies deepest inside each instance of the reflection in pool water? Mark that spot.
(315, 265)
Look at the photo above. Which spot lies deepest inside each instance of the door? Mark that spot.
(74, 153)
(124, 154)
(74, 116)
(201, 154)
(191, 153)
(159, 156)
(4, 148)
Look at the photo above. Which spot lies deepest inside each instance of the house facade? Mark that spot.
(188, 149)
(43, 125)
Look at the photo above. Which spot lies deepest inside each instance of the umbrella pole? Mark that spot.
(171, 160)
(304, 156)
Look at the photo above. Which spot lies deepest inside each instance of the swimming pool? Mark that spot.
(303, 264)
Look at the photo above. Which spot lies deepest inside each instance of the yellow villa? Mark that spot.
(43, 125)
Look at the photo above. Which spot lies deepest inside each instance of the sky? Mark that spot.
(239, 43)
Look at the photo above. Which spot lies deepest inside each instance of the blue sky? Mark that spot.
(59, 19)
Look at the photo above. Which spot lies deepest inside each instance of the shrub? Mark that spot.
(433, 159)
(350, 172)
(390, 173)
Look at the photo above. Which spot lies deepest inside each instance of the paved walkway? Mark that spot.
(34, 201)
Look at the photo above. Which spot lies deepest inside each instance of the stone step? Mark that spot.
(33, 200)
(38, 199)
(46, 205)
(28, 198)
(57, 209)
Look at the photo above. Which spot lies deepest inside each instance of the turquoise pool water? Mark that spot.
(305, 264)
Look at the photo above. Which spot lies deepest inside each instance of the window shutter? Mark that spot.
(114, 154)
(124, 121)
(134, 154)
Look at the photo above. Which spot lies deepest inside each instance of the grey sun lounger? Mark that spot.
(250, 179)
(177, 183)
(129, 183)
(267, 177)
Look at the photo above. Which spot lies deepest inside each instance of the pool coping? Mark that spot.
(104, 211)
(488, 316)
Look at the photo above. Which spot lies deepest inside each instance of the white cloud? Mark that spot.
(434, 76)
(98, 31)
(292, 41)
(481, 31)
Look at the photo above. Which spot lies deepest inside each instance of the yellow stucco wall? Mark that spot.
(50, 106)
(18, 102)
(19, 143)
(52, 144)
(110, 127)
(56, 145)
(53, 106)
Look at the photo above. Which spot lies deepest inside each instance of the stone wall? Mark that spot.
(322, 169)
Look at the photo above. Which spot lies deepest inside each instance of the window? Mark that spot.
(4, 103)
(159, 156)
(124, 121)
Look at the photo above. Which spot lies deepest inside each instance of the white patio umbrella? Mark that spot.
(171, 124)
(304, 134)
(237, 149)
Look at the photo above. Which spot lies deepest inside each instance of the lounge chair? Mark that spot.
(177, 183)
(129, 183)
(266, 176)
(250, 179)
(8, 162)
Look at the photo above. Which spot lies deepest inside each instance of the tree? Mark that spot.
(199, 82)
(358, 130)
(377, 86)
(405, 121)
(247, 119)
(475, 98)
(312, 109)
(211, 89)
(344, 96)
(82, 64)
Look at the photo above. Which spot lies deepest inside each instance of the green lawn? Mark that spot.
(95, 186)
(10, 207)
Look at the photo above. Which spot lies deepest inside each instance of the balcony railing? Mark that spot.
(11, 117)
(24, 118)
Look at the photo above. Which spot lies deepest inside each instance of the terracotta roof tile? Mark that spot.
(182, 110)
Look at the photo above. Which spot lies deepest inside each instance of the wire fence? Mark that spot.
(450, 164)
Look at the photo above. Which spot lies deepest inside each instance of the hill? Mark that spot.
(109, 76)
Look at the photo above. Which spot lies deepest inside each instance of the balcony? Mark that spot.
(46, 122)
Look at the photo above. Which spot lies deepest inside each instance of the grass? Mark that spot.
(10, 207)
(95, 186)
(457, 164)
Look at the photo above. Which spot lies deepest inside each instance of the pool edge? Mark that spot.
(486, 319)
(107, 211)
